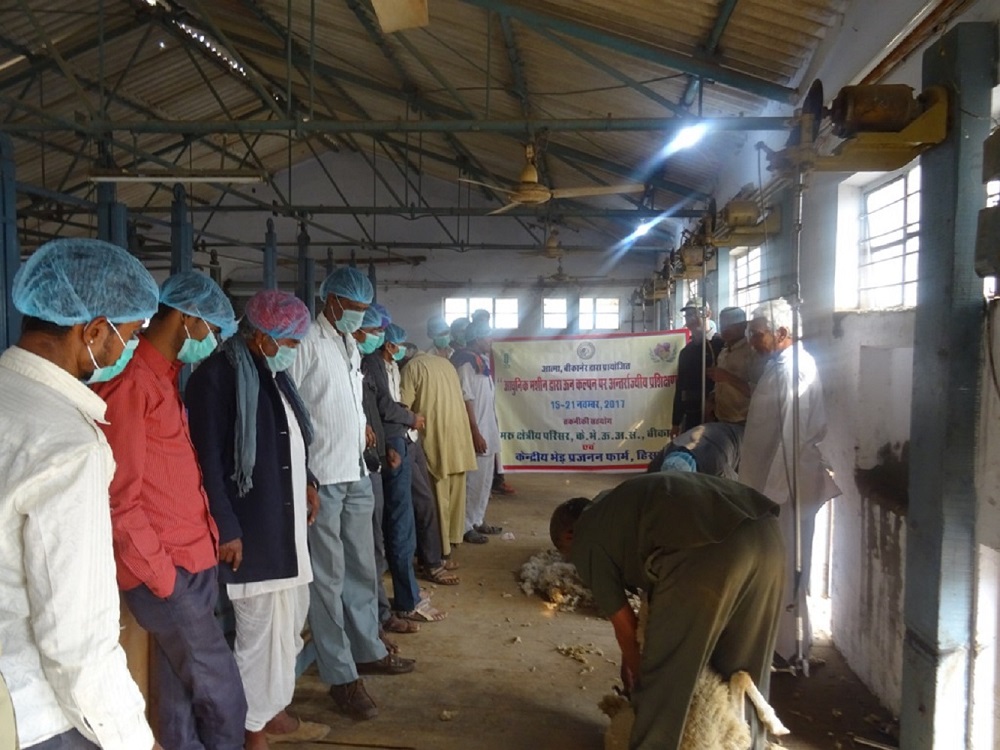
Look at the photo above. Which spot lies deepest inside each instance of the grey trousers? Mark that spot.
(384, 610)
(719, 605)
(425, 511)
(71, 740)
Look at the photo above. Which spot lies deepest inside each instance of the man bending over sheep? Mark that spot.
(709, 554)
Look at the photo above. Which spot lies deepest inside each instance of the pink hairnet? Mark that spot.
(279, 314)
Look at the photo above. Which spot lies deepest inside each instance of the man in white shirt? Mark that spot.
(83, 302)
(478, 392)
(343, 609)
(768, 449)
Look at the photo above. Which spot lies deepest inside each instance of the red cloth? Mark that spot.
(159, 510)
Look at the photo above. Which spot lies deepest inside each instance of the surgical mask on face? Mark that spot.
(399, 353)
(193, 351)
(349, 320)
(282, 360)
(104, 374)
(371, 342)
(441, 341)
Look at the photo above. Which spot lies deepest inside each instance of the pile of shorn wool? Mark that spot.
(555, 580)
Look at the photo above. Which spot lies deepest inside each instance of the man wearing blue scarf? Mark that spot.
(252, 432)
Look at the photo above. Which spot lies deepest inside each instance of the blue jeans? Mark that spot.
(400, 528)
(201, 699)
(343, 598)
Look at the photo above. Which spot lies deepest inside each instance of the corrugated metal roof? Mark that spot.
(576, 64)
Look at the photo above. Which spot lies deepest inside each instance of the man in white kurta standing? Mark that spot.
(343, 608)
(473, 365)
(83, 302)
(768, 450)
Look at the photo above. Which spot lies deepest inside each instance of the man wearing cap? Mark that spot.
(769, 451)
(83, 302)
(737, 370)
(472, 363)
(710, 448)
(440, 335)
(252, 433)
(692, 364)
(166, 542)
(343, 611)
(429, 385)
(457, 331)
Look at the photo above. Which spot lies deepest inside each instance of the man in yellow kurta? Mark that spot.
(429, 386)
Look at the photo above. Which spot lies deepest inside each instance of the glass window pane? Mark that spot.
(607, 313)
(554, 313)
(481, 303)
(454, 308)
(992, 193)
(505, 313)
(883, 196)
(885, 220)
(913, 209)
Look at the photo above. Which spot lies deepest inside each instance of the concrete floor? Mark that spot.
(492, 665)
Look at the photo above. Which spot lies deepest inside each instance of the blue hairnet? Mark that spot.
(394, 334)
(380, 309)
(281, 315)
(71, 281)
(679, 461)
(481, 314)
(194, 293)
(458, 327)
(348, 283)
(372, 319)
(477, 329)
(436, 326)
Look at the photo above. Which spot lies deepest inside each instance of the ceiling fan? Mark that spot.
(552, 247)
(530, 192)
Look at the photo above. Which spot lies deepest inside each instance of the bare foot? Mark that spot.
(255, 741)
(282, 723)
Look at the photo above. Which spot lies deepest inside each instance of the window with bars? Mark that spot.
(889, 240)
(502, 310)
(746, 276)
(554, 311)
(599, 313)
(992, 199)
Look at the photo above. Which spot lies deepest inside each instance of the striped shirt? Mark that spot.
(159, 509)
(327, 372)
(59, 612)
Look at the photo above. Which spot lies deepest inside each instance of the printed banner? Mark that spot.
(585, 403)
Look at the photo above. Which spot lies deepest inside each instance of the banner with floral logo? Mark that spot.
(585, 403)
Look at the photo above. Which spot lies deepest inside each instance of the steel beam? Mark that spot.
(10, 252)
(416, 212)
(665, 125)
(648, 52)
(306, 291)
(112, 217)
(598, 63)
(695, 84)
(941, 520)
(181, 233)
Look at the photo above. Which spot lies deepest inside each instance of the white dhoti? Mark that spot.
(478, 484)
(268, 641)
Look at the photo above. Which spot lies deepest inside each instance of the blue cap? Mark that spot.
(436, 326)
(478, 329)
(394, 334)
(348, 283)
(381, 310)
(372, 318)
(194, 293)
(679, 461)
(71, 281)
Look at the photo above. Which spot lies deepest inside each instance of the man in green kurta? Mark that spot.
(709, 554)
(429, 385)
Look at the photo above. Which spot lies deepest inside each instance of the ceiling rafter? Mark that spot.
(641, 50)
(695, 85)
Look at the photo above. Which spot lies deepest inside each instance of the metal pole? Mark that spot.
(10, 254)
(704, 330)
(306, 291)
(801, 662)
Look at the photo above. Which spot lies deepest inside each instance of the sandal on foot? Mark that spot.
(474, 537)
(306, 731)
(485, 528)
(448, 564)
(399, 625)
(423, 612)
(440, 576)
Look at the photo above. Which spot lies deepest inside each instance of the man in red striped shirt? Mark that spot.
(166, 543)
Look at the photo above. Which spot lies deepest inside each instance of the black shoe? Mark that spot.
(353, 700)
(474, 537)
(388, 664)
